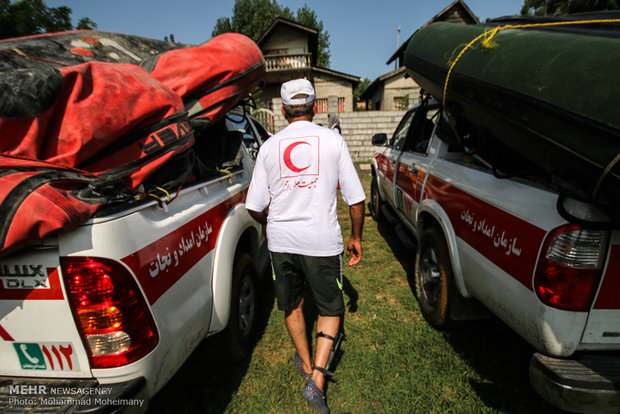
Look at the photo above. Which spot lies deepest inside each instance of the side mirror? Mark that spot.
(379, 139)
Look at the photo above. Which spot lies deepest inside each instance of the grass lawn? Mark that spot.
(392, 361)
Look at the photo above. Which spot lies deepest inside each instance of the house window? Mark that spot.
(400, 103)
(321, 106)
(340, 104)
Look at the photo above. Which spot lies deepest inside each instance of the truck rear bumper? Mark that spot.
(588, 384)
(29, 395)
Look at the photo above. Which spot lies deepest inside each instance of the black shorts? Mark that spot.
(323, 275)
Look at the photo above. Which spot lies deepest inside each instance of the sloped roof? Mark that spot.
(312, 33)
(344, 76)
(313, 44)
(458, 6)
(376, 84)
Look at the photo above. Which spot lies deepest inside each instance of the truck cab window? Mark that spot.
(262, 132)
(421, 129)
(447, 130)
(400, 135)
(240, 122)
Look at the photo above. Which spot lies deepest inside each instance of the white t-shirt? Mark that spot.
(296, 175)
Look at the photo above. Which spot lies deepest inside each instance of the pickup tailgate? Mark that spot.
(603, 327)
(589, 382)
(38, 335)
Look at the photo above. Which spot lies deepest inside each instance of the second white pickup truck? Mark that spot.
(490, 229)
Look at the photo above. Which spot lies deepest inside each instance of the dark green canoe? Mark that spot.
(551, 94)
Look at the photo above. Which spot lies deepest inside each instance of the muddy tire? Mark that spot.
(434, 278)
(240, 334)
(375, 201)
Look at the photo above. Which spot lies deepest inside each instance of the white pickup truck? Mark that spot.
(99, 318)
(491, 230)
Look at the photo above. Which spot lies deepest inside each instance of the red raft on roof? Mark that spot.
(75, 135)
(234, 63)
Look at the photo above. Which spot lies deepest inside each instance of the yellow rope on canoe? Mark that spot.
(604, 174)
(489, 43)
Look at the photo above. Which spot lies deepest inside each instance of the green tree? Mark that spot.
(308, 17)
(86, 24)
(57, 19)
(27, 17)
(5, 17)
(253, 17)
(562, 7)
(361, 87)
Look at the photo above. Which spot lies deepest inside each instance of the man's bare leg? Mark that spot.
(296, 325)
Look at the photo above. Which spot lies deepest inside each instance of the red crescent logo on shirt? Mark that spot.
(287, 157)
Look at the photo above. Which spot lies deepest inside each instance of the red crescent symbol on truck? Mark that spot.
(287, 157)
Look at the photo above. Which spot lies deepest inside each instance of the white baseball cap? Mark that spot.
(297, 92)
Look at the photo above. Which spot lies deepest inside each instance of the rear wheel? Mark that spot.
(434, 278)
(375, 200)
(238, 338)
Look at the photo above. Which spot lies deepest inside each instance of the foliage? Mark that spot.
(86, 24)
(359, 89)
(27, 17)
(308, 17)
(253, 17)
(562, 7)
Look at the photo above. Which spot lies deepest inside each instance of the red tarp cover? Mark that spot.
(98, 106)
(68, 132)
(235, 66)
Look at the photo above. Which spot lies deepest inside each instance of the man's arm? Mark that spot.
(261, 217)
(354, 248)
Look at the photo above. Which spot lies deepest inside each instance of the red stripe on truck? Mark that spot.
(5, 335)
(609, 293)
(162, 263)
(509, 242)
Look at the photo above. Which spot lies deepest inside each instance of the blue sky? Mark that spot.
(363, 33)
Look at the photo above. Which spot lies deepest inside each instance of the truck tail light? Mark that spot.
(570, 267)
(110, 311)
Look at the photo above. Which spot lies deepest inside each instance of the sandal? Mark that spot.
(315, 398)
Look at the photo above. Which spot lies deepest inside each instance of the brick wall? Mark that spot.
(357, 128)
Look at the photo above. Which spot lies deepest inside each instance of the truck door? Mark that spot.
(389, 161)
(412, 165)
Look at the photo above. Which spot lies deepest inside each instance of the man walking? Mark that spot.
(296, 176)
